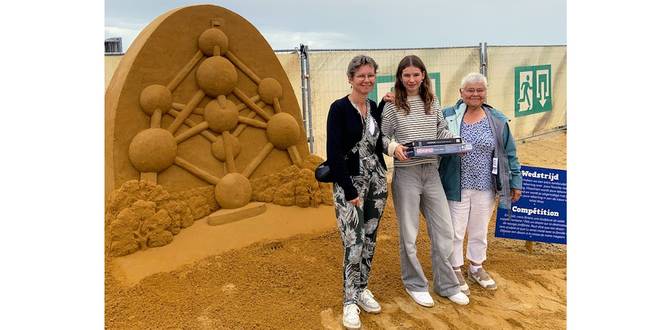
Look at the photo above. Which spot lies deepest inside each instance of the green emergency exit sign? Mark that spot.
(533, 89)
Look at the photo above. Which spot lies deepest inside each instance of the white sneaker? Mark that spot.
(460, 298)
(461, 281)
(482, 277)
(421, 297)
(351, 318)
(368, 303)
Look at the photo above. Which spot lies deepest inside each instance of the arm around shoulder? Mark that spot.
(443, 128)
(388, 127)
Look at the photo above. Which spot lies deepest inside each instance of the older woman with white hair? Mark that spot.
(472, 181)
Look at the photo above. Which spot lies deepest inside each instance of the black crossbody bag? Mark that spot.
(323, 172)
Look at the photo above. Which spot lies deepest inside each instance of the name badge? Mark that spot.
(494, 171)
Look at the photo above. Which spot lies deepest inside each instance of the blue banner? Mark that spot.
(540, 214)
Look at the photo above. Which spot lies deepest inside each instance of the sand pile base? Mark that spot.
(226, 216)
(201, 239)
(283, 282)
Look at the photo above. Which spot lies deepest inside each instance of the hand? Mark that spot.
(389, 97)
(355, 201)
(400, 152)
(515, 194)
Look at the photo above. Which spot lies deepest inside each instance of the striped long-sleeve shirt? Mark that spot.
(414, 126)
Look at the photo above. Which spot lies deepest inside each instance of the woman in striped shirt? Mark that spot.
(415, 115)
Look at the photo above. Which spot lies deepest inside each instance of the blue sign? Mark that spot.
(540, 214)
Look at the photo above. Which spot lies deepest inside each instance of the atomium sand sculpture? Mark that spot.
(155, 149)
(199, 100)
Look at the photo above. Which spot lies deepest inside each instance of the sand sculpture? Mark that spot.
(201, 100)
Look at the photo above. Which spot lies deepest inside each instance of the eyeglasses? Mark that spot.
(365, 76)
(473, 91)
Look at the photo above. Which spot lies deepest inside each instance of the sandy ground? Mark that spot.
(295, 282)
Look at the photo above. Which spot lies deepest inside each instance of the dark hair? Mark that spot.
(425, 91)
(359, 61)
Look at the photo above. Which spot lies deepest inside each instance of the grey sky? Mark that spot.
(370, 23)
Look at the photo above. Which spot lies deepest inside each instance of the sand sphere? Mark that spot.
(283, 130)
(269, 89)
(152, 150)
(233, 191)
(216, 76)
(221, 115)
(155, 97)
(218, 147)
(210, 38)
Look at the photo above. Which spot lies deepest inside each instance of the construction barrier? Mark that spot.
(526, 83)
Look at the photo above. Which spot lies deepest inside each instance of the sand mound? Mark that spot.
(141, 214)
(293, 186)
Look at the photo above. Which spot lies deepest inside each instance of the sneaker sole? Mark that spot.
(369, 310)
(418, 302)
(459, 302)
(359, 326)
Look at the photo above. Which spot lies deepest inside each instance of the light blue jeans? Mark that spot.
(418, 187)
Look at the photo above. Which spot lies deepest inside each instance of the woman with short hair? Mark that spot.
(355, 156)
(472, 181)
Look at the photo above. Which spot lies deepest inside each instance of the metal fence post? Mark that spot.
(483, 59)
(306, 95)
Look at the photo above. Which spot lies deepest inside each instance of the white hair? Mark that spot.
(474, 77)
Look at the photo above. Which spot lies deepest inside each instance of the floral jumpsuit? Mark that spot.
(358, 225)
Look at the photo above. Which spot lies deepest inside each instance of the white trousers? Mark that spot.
(472, 213)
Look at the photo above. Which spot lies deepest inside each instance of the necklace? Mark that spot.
(360, 106)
